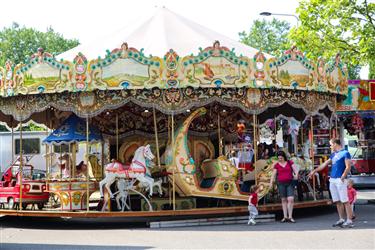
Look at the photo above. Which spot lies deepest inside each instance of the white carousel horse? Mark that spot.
(136, 170)
(122, 194)
(157, 184)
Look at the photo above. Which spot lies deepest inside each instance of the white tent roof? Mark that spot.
(165, 30)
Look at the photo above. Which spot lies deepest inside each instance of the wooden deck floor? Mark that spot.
(224, 211)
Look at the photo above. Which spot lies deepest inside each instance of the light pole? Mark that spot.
(279, 14)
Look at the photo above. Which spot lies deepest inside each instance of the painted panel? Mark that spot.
(293, 74)
(125, 70)
(41, 74)
(216, 68)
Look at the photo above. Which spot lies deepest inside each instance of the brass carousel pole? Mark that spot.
(21, 167)
(254, 146)
(60, 161)
(102, 159)
(302, 138)
(51, 149)
(275, 121)
(70, 165)
(46, 148)
(117, 142)
(156, 137)
(336, 135)
(173, 172)
(219, 134)
(169, 183)
(312, 151)
(74, 159)
(12, 142)
(87, 162)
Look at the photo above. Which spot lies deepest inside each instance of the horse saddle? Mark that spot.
(117, 167)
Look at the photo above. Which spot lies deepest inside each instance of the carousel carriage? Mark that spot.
(70, 182)
(185, 105)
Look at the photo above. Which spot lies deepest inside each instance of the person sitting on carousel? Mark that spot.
(241, 127)
(81, 170)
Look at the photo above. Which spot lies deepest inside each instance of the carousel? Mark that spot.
(183, 129)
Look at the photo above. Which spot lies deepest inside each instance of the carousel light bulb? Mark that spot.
(224, 111)
(188, 110)
(146, 110)
(107, 113)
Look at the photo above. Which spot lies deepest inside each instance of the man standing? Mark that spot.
(341, 161)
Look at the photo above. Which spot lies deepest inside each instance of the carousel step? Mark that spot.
(211, 221)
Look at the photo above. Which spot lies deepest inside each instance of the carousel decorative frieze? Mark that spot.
(172, 100)
(214, 67)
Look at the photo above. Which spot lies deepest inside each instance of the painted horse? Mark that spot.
(136, 170)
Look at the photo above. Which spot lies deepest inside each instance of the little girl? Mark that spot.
(352, 195)
(253, 202)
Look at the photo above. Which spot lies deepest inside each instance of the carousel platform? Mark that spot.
(141, 216)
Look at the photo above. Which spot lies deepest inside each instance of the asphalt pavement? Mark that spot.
(313, 230)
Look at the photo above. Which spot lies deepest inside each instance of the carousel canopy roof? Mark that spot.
(192, 66)
(73, 130)
(158, 34)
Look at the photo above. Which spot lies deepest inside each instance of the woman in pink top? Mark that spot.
(285, 171)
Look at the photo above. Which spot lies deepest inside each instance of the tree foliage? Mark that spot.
(17, 43)
(270, 36)
(332, 26)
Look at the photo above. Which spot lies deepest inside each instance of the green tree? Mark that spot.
(371, 74)
(18, 43)
(332, 26)
(3, 128)
(270, 36)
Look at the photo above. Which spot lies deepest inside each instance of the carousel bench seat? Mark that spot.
(207, 183)
(209, 173)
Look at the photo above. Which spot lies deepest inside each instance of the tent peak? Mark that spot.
(157, 34)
